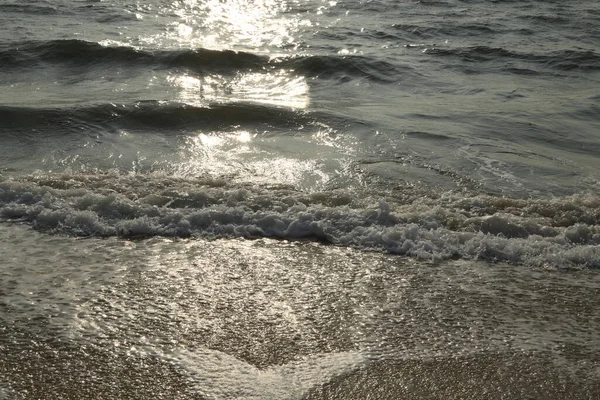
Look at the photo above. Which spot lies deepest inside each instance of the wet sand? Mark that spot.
(264, 319)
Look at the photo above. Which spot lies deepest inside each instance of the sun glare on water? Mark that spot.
(263, 35)
(279, 88)
(233, 24)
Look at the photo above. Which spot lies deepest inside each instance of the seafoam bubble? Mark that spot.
(559, 232)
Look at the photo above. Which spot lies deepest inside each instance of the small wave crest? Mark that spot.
(75, 52)
(561, 232)
(148, 115)
(563, 60)
(336, 66)
(35, 9)
(84, 54)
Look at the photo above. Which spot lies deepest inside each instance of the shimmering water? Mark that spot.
(264, 319)
(299, 199)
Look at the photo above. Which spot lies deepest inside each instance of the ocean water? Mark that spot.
(303, 199)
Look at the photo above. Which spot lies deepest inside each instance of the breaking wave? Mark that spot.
(560, 232)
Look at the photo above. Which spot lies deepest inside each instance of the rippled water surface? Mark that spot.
(299, 199)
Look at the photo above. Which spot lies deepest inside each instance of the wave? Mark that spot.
(546, 19)
(566, 60)
(440, 31)
(356, 66)
(148, 115)
(561, 232)
(84, 54)
(563, 60)
(34, 9)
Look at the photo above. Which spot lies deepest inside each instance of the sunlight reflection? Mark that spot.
(279, 88)
(231, 24)
(184, 30)
(243, 137)
(273, 27)
(253, 23)
(234, 155)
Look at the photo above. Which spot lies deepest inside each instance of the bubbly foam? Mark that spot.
(559, 232)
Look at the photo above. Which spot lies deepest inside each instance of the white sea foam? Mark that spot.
(560, 232)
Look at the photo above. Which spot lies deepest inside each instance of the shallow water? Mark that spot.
(299, 199)
(264, 319)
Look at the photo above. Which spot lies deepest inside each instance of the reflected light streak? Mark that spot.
(278, 88)
(229, 24)
(258, 26)
(263, 26)
(233, 155)
(248, 23)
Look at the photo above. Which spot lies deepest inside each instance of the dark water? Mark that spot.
(438, 162)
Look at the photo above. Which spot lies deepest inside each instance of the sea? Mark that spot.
(299, 199)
